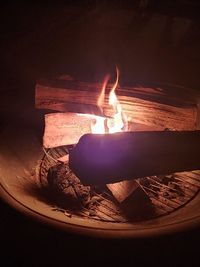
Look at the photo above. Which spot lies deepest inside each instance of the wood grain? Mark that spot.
(64, 129)
(154, 107)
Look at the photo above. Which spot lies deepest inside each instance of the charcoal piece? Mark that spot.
(67, 186)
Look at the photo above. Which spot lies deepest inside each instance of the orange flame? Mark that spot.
(102, 94)
(115, 124)
(112, 96)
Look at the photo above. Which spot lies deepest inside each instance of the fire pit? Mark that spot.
(158, 204)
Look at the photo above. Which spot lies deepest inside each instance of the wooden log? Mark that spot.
(123, 189)
(67, 128)
(64, 129)
(173, 109)
(82, 97)
(129, 155)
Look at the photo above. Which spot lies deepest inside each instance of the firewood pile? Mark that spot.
(137, 200)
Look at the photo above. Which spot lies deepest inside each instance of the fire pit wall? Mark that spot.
(157, 107)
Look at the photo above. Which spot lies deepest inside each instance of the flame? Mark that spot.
(115, 124)
(98, 127)
(100, 100)
(112, 96)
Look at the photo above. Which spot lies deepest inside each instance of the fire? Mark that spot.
(98, 127)
(115, 124)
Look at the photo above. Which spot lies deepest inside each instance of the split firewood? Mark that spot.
(174, 110)
(129, 155)
(136, 103)
(123, 189)
(64, 129)
(67, 128)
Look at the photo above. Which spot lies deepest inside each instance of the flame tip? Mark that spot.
(118, 122)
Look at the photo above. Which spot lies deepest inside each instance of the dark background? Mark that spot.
(157, 41)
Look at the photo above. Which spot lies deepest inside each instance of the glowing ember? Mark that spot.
(115, 124)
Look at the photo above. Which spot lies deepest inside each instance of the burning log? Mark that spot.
(67, 128)
(108, 158)
(138, 103)
(64, 129)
